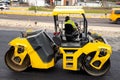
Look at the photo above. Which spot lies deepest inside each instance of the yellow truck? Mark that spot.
(115, 15)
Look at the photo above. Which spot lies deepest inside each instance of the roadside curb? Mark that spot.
(19, 8)
(26, 13)
(42, 13)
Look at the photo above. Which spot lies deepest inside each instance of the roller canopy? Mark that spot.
(68, 10)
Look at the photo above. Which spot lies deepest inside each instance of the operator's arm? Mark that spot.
(73, 24)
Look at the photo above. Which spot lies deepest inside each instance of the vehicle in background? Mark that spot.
(117, 3)
(4, 6)
(90, 4)
(115, 15)
(47, 5)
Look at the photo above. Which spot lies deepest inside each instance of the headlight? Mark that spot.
(103, 52)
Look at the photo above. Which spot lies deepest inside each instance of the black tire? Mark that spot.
(94, 72)
(12, 65)
(118, 21)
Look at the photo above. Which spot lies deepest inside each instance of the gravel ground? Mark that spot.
(112, 34)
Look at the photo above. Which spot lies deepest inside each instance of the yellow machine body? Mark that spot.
(72, 57)
(35, 59)
(44, 52)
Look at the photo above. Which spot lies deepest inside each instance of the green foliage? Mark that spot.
(87, 9)
(97, 10)
(36, 8)
(109, 0)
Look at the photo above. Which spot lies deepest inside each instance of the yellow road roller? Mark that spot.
(78, 50)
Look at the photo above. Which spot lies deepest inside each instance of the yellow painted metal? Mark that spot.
(87, 49)
(35, 60)
(90, 47)
(101, 59)
(75, 56)
(68, 10)
(113, 17)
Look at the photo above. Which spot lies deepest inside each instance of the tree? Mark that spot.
(11, 2)
(104, 3)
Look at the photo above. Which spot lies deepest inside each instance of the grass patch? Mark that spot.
(40, 9)
(97, 10)
(87, 9)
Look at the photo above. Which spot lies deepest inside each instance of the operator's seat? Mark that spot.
(70, 32)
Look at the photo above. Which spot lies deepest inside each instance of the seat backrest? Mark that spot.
(69, 29)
